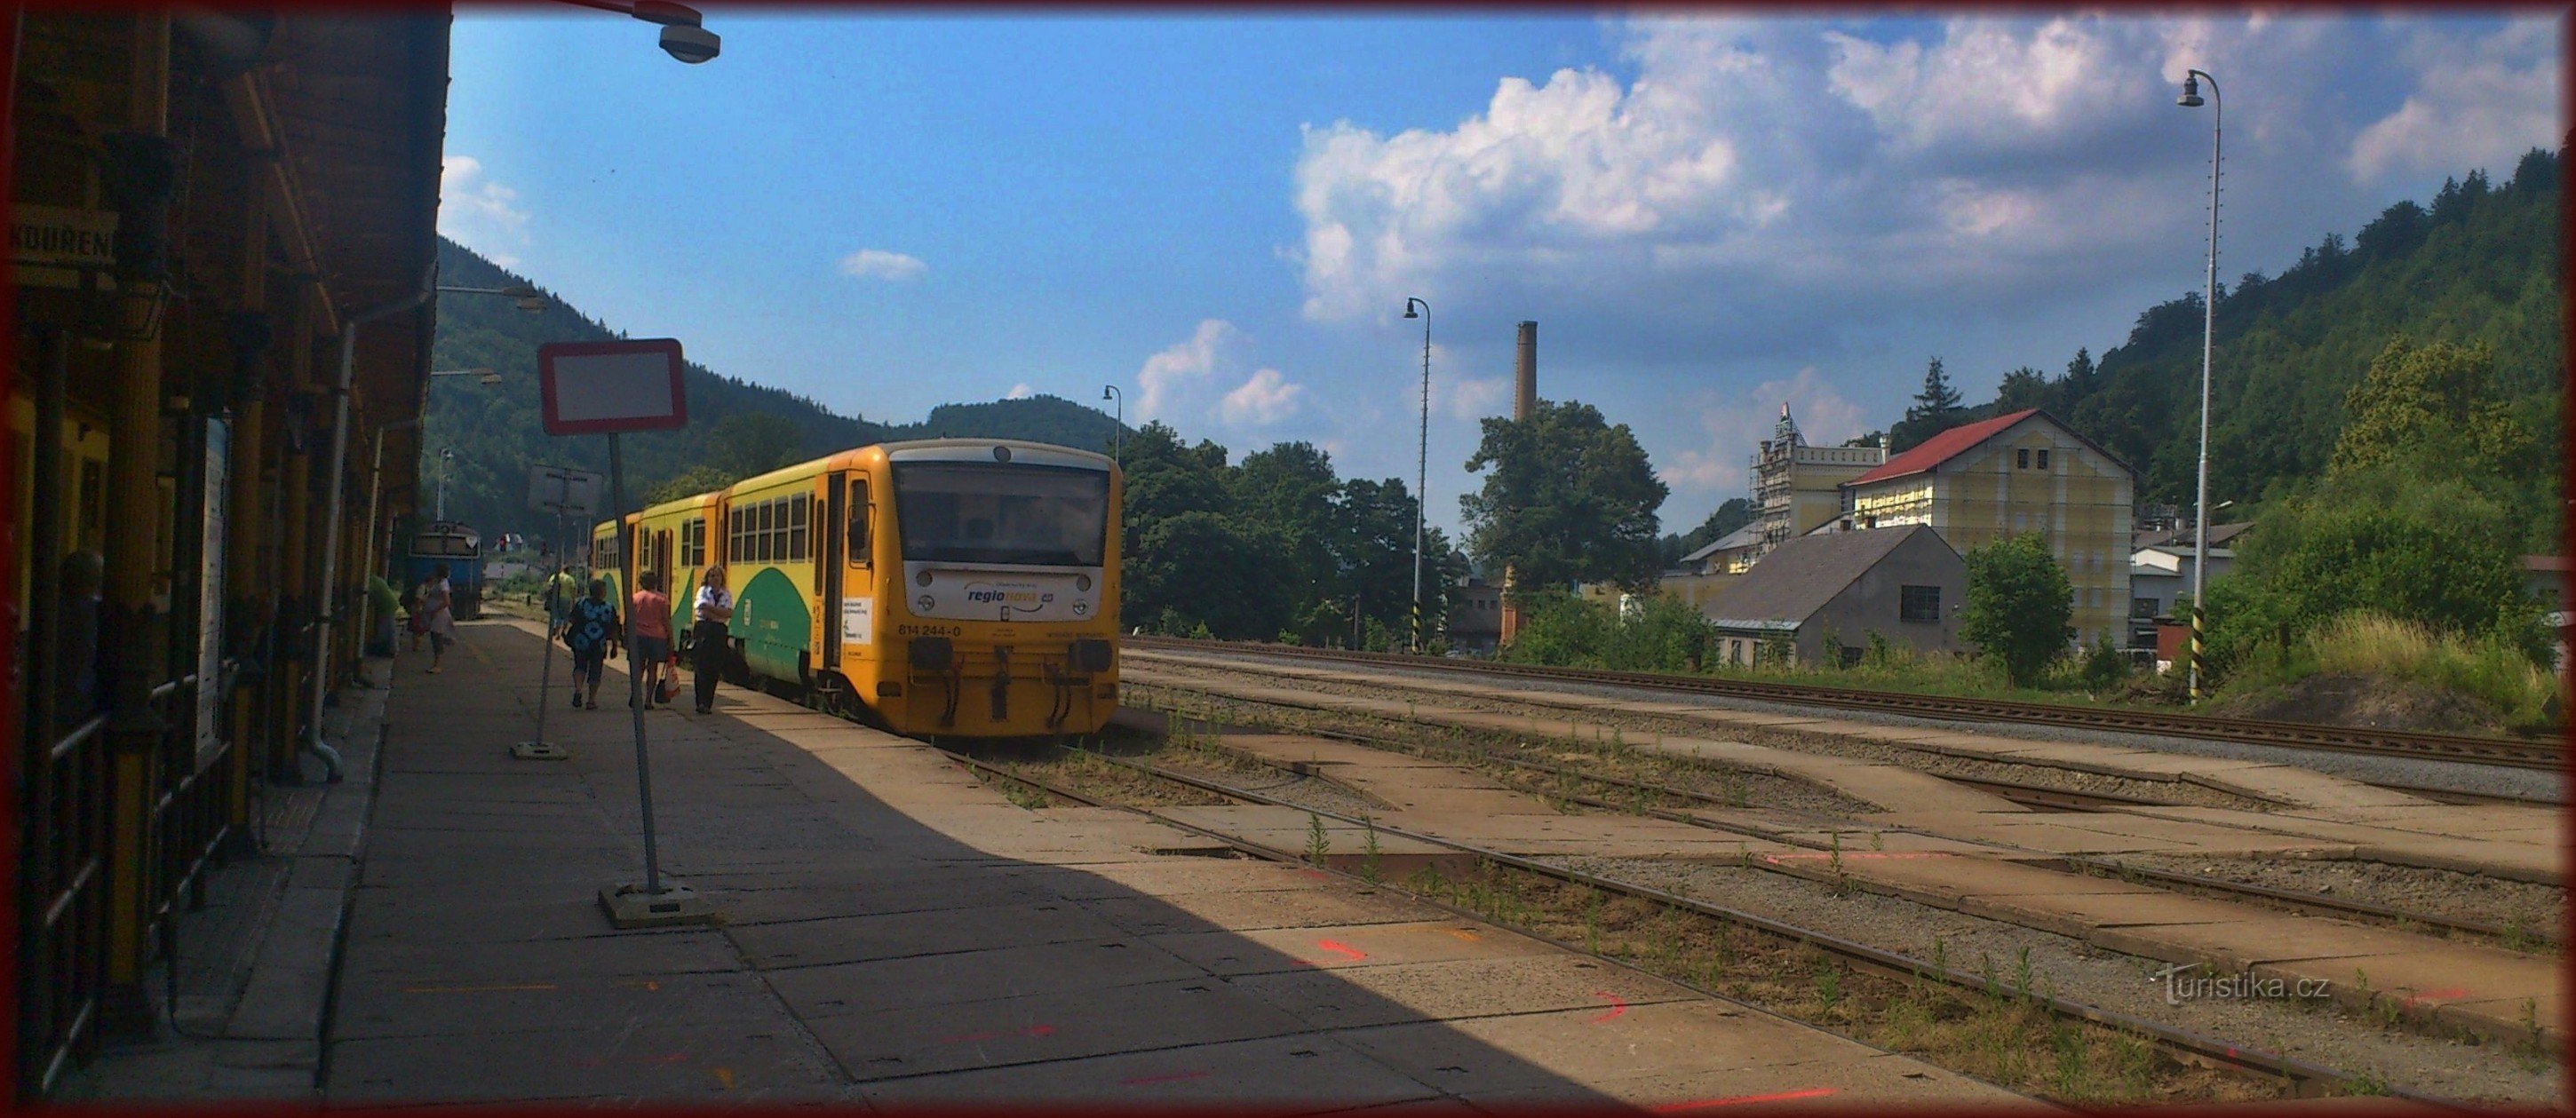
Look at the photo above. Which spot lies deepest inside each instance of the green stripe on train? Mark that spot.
(771, 621)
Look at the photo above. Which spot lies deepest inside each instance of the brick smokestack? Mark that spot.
(1525, 373)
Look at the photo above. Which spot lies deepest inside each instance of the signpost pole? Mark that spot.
(540, 749)
(634, 674)
(608, 388)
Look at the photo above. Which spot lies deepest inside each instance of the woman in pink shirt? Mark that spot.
(651, 617)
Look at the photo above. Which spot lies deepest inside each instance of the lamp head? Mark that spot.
(2190, 98)
(487, 376)
(532, 304)
(1408, 308)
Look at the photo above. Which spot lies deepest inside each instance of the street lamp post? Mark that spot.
(1421, 463)
(1118, 434)
(2190, 99)
(445, 456)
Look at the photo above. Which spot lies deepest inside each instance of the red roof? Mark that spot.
(1942, 447)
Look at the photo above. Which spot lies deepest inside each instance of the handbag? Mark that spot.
(670, 688)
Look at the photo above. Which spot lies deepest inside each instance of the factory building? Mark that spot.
(1798, 487)
(2024, 472)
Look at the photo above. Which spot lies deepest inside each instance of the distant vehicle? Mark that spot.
(461, 548)
(947, 587)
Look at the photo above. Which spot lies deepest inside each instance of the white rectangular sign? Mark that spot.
(606, 387)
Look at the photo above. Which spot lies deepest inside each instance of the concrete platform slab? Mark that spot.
(1229, 954)
(977, 976)
(1047, 1026)
(1457, 989)
(852, 939)
(1297, 1071)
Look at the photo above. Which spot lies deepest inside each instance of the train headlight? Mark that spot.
(923, 578)
(1082, 582)
(924, 602)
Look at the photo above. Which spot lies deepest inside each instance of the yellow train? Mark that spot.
(942, 588)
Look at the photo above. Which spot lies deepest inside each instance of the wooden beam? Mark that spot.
(256, 122)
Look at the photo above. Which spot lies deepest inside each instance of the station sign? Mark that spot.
(594, 388)
(52, 246)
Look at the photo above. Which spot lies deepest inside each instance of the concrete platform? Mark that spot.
(895, 931)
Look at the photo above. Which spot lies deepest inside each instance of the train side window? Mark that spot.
(858, 526)
(797, 510)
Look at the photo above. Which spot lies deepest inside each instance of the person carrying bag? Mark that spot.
(707, 634)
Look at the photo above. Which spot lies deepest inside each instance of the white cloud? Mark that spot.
(1733, 429)
(1266, 398)
(881, 264)
(477, 212)
(1473, 398)
(1178, 368)
(1782, 190)
(2480, 104)
(1020, 391)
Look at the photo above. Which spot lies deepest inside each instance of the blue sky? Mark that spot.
(1708, 216)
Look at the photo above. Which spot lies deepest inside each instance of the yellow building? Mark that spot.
(1798, 487)
(2023, 472)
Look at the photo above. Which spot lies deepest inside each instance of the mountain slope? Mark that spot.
(496, 431)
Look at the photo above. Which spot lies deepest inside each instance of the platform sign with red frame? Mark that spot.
(595, 388)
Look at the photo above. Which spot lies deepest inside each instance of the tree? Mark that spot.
(2018, 605)
(2431, 405)
(2385, 539)
(2022, 388)
(1936, 409)
(1570, 498)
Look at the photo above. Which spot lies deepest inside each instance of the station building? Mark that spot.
(222, 238)
(1981, 482)
(1819, 597)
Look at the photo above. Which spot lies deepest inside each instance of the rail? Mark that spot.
(2193, 1046)
(2039, 795)
(2466, 748)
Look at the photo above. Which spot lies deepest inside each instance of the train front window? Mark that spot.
(1033, 515)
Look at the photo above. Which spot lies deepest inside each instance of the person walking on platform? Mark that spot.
(381, 596)
(438, 616)
(590, 631)
(562, 591)
(707, 634)
(650, 614)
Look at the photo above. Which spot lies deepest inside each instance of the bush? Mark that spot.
(2105, 666)
(1666, 634)
(2018, 606)
(2423, 549)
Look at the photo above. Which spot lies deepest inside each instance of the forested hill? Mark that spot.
(496, 430)
(2479, 264)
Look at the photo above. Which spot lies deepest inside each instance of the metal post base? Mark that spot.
(629, 906)
(540, 751)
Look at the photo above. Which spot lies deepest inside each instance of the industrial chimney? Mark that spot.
(1525, 374)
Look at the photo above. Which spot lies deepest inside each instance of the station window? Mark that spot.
(1918, 603)
(2043, 459)
(2021, 459)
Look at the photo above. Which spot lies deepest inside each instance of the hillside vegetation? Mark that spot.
(2480, 264)
(497, 433)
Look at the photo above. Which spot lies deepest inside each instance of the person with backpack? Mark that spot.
(590, 631)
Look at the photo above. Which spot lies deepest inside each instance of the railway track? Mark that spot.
(2029, 794)
(2298, 1078)
(2467, 748)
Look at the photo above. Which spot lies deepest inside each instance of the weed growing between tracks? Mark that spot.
(2002, 1033)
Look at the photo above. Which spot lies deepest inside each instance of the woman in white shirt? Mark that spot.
(707, 639)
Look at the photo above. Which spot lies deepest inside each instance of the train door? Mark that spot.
(827, 567)
(851, 543)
